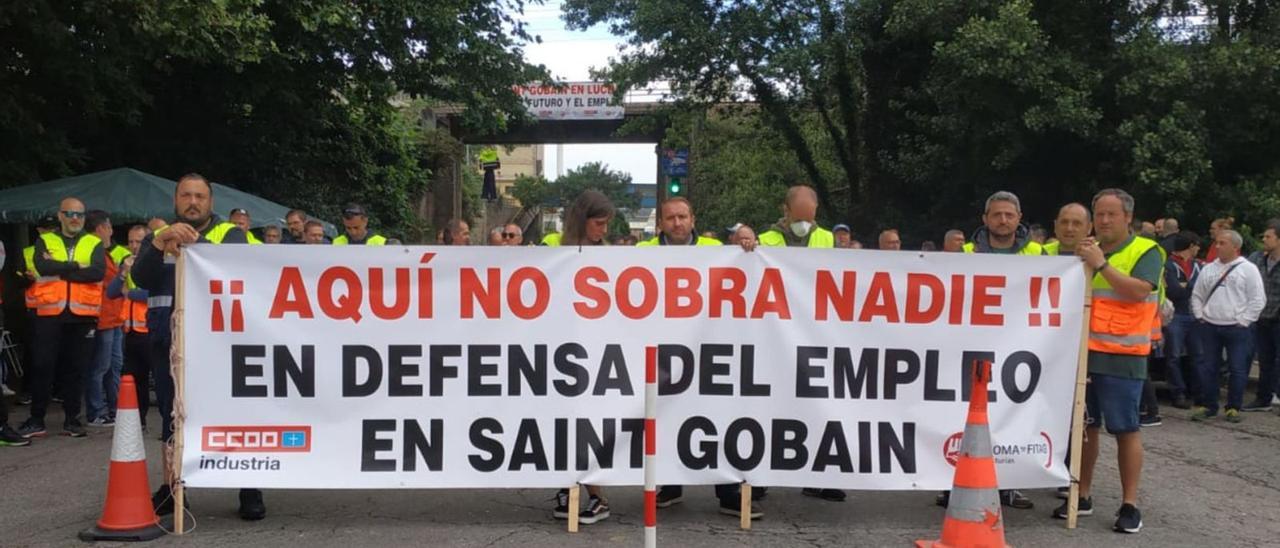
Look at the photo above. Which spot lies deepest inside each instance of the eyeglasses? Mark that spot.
(73, 214)
(510, 235)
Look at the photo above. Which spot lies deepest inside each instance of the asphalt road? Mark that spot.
(1214, 484)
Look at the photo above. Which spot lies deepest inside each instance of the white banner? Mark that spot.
(415, 367)
(573, 101)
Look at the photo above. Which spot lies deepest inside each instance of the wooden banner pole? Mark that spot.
(1077, 409)
(179, 385)
(574, 500)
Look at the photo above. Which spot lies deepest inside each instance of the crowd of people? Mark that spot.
(99, 309)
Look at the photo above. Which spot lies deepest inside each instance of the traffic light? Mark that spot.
(675, 187)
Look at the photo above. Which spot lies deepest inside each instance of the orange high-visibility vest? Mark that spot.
(1118, 325)
(135, 312)
(82, 298)
(29, 256)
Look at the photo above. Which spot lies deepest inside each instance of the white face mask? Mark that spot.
(801, 228)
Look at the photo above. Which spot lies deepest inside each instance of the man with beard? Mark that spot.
(67, 310)
(154, 271)
(1002, 231)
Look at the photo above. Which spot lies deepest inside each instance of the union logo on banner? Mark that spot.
(217, 321)
(951, 448)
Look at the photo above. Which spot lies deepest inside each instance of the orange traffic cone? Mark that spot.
(127, 514)
(973, 512)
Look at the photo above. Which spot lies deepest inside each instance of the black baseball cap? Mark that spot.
(353, 210)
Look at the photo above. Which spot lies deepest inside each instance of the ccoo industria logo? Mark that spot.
(256, 439)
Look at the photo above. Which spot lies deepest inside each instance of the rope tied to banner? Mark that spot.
(173, 473)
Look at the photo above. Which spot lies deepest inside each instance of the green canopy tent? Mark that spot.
(129, 196)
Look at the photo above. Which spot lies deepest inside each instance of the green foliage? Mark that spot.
(908, 113)
(594, 176)
(531, 190)
(290, 100)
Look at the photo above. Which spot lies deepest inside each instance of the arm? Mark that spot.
(1257, 295)
(95, 272)
(1198, 295)
(115, 288)
(1173, 289)
(50, 267)
(148, 268)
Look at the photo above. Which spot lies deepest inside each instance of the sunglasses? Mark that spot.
(509, 235)
(73, 214)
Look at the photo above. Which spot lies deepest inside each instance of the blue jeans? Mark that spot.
(103, 384)
(1180, 340)
(1266, 335)
(1238, 343)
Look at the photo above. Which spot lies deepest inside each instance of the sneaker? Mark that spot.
(561, 510)
(24, 399)
(1128, 519)
(1233, 416)
(74, 429)
(833, 495)
(32, 428)
(1084, 509)
(56, 399)
(733, 507)
(1148, 420)
(1257, 405)
(1064, 493)
(6, 391)
(669, 496)
(1201, 414)
(1015, 499)
(102, 422)
(597, 510)
(251, 506)
(1181, 402)
(10, 438)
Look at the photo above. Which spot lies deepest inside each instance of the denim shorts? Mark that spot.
(1112, 402)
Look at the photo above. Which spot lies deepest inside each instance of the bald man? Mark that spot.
(797, 228)
(1071, 227)
(74, 262)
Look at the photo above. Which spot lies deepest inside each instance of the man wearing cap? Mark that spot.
(240, 217)
(66, 317)
(844, 236)
(356, 223)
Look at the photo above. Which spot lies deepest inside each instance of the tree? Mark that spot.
(297, 101)
(908, 113)
(594, 176)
